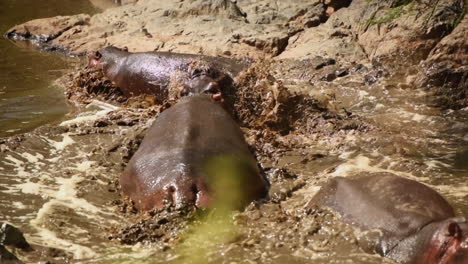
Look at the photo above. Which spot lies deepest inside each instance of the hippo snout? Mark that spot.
(180, 195)
(215, 91)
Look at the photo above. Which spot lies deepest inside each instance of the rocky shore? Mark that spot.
(314, 102)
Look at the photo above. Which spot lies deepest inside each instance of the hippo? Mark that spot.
(415, 224)
(190, 148)
(151, 72)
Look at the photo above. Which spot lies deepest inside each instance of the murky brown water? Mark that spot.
(57, 184)
(28, 97)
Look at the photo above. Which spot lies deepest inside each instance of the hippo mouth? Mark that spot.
(94, 59)
(214, 91)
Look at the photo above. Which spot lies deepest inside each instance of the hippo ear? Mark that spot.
(125, 49)
(453, 230)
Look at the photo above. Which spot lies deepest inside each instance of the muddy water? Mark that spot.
(28, 97)
(58, 183)
(415, 138)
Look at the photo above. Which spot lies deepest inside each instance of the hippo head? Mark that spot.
(444, 242)
(106, 58)
(448, 244)
(202, 83)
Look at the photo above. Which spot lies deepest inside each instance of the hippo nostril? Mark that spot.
(194, 188)
(170, 189)
(97, 55)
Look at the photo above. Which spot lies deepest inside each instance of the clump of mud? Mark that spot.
(87, 84)
(161, 227)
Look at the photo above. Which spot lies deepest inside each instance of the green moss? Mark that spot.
(390, 15)
(398, 3)
(397, 9)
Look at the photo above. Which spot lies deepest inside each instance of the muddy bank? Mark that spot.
(336, 93)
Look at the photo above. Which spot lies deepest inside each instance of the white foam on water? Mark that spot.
(61, 145)
(409, 116)
(14, 161)
(83, 166)
(56, 180)
(30, 188)
(362, 163)
(32, 158)
(419, 117)
(49, 238)
(379, 106)
(18, 165)
(18, 205)
(86, 117)
(436, 164)
(129, 254)
(66, 196)
(457, 191)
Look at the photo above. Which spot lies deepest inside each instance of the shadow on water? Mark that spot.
(28, 97)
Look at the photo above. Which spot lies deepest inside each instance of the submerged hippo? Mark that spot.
(151, 72)
(416, 225)
(194, 154)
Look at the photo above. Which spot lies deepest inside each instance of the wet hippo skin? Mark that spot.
(150, 72)
(174, 159)
(416, 224)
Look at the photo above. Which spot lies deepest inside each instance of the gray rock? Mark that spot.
(12, 236)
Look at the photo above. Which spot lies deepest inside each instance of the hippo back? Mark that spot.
(396, 206)
(151, 72)
(177, 148)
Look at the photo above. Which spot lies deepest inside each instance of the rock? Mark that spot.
(334, 5)
(269, 44)
(46, 29)
(246, 28)
(278, 12)
(446, 68)
(410, 29)
(224, 8)
(105, 4)
(331, 39)
(12, 236)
